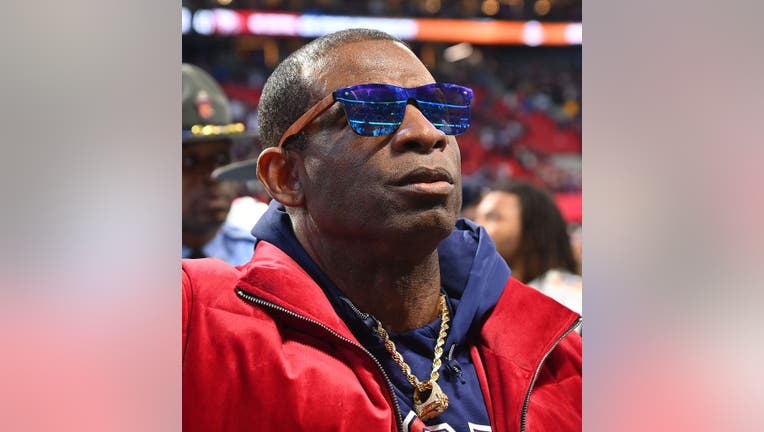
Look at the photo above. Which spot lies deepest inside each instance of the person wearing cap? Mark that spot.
(207, 134)
(368, 305)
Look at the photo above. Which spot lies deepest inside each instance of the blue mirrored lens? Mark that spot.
(378, 109)
(446, 106)
(374, 118)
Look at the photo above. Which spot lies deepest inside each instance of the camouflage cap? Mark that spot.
(206, 113)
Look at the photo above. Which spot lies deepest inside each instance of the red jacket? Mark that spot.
(263, 350)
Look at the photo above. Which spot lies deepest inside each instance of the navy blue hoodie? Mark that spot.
(473, 276)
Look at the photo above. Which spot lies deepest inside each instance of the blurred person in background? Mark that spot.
(576, 243)
(368, 305)
(207, 137)
(471, 193)
(532, 236)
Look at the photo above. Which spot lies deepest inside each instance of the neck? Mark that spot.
(402, 293)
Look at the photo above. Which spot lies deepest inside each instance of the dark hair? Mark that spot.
(288, 93)
(544, 243)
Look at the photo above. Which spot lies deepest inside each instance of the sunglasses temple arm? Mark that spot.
(307, 118)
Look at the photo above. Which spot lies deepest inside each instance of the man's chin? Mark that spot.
(435, 223)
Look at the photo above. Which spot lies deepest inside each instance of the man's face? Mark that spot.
(500, 213)
(407, 183)
(205, 202)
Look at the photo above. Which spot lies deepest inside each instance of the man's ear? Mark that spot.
(278, 173)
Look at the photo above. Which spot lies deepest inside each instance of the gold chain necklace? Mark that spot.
(437, 402)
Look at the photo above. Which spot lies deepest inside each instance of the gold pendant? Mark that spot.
(435, 404)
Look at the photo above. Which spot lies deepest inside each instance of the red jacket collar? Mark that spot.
(533, 321)
(272, 275)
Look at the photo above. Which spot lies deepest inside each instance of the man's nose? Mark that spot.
(416, 133)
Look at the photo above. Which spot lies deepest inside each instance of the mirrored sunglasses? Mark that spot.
(378, 109)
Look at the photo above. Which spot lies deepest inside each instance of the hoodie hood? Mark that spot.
(473, 275)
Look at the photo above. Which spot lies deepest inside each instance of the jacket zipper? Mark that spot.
(252, 299)
(538, 369)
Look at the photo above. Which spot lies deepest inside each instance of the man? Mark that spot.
(207, 134)
(367, 305)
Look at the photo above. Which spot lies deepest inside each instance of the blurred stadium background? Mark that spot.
(521, 57)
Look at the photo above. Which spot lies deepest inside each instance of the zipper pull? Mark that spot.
(453, 367)
(367, 318)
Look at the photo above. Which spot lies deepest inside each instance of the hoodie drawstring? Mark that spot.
(453, 367)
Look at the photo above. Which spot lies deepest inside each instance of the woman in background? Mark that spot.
(531, 234)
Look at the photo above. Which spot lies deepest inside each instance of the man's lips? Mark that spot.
(436, 181)
(425, 175)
